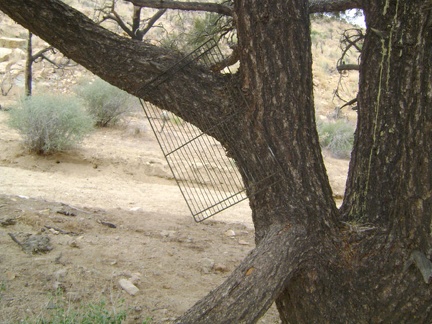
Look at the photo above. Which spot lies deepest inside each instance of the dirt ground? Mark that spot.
(111, 211)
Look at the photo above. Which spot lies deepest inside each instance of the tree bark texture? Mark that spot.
(28, 74)
(365, 263)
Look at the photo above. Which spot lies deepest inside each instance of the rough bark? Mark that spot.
(180, 5)
(288, 247)
(390, 176)
(374, 267)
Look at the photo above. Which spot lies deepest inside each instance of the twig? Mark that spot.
(16, 240)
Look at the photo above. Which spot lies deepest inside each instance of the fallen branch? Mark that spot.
(60, 230)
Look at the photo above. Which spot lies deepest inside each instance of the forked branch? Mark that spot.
(253, 286)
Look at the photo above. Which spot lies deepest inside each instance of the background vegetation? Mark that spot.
(50, 123)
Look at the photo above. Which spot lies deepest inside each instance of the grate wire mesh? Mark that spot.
(208, 180)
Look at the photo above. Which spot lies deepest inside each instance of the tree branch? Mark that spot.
(348, 67)
(125, 63)
(318, 6)
(151, 23)
(254, 285)
(315, 6)
(41, 53)
(189, 6)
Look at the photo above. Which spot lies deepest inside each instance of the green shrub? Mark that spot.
(50, 123)
(337, 137)
(104, 102)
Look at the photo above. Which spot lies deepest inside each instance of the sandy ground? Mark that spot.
(117, 177)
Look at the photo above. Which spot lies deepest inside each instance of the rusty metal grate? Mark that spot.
(208, 180)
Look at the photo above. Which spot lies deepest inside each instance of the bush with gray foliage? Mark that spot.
(49, 123)
(337, 136)
(104, 102)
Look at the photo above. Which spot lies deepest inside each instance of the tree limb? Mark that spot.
(348, 67)
(189, 6)
(318, 6)
(41, 53)
(253, 286)
(315, 6)
(151, 23)
(125, 63)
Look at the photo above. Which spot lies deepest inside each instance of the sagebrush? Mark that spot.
(337, 136)
(50, 123)
(104, 102)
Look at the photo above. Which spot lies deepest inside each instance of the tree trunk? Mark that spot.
(367, 262)
(28, 75)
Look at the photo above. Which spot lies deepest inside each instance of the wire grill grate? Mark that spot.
(208, 180)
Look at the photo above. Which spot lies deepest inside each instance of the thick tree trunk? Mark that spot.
(381, 272)
(367, 262)
(391, 172)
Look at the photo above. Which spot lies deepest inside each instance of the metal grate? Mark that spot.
(208, 180)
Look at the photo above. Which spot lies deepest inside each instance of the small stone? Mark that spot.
(242, 242)
(230, 233)
(207, 265)
(60, 274)
(166, 233)
(128, 286)
(135, 278)
(7, 221)
(74, 244)
(219, 267)
(52, 230)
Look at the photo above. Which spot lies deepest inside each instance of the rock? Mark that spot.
(220, 267)
(74, 244)
(135, 278)
(53, 231)
(165, 233)
(242, 242)
(128, 286)
(7, 221)
(10, 42)
(207, 265)
(44, 212)
(230, 233)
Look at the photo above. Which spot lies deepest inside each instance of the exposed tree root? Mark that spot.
(254, 285)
